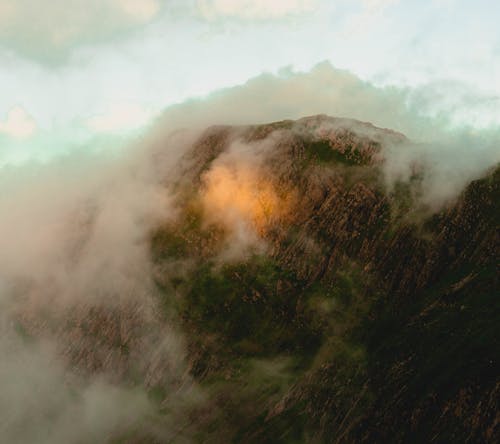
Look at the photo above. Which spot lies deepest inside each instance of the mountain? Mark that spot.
(364, 318)
(318, 300)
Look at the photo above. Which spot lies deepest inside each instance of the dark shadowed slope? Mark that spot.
(321, 304)
(300, 294)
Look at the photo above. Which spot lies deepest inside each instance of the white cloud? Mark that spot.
(292, 95)
(120, 117)
(48, 30)
(38, 404)
(454, 154)
(254, 9)
(74, 234)
(18, 124)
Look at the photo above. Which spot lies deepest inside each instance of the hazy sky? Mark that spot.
(73, 69)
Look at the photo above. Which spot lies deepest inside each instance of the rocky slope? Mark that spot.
(352, 313)
(316, 301)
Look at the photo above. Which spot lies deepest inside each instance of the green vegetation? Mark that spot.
(283, 359)
(252, 304)
(255, 328)
(321, 151)
(189, 237)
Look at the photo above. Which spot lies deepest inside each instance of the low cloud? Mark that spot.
(40, 403)
(75, 232)
(240, 195)
(75, 259)
(443, 132)
(78, 225)
(120, 117)
(292, 95)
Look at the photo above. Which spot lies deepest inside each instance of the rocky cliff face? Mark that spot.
(317, 302)
(370, 318)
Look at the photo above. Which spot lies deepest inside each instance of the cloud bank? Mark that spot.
(120, 117)
(74, 242)
(39, 405)
(453, 151)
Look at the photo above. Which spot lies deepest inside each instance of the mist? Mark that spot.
(443, 134)
(74, 235)
(75, 263)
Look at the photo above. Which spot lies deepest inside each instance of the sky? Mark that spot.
(80, 80)
(92, 72)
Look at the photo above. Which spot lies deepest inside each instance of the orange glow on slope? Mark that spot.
(235, 195)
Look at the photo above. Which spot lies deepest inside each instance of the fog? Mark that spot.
(453, 151)
(75, 263)
(74, 234)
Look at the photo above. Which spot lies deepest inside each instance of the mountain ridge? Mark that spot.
(298, 296)
(344, 236)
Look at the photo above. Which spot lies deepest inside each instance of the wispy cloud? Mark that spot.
(48, 30)
(74, 239)
(120, 117)
(439, 120)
